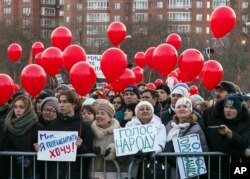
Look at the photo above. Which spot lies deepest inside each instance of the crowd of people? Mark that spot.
(222, 123)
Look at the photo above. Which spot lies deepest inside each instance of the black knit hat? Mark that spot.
(227, 86)
(165, 88)
(131, 106)
(134, 89)
(234, 100)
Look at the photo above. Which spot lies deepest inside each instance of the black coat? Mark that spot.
(236, 146)
(75, 123)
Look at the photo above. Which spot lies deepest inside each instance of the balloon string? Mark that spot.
(14, 76)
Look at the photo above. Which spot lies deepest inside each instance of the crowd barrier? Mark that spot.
(163, 157)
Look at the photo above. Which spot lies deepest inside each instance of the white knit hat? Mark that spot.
(180, 90)
(143, 103)
(184, 101)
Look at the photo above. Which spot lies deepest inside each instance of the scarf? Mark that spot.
(21, 125)
(174, 132)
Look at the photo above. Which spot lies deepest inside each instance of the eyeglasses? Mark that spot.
(49, 110)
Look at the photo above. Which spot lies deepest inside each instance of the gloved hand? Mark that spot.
(149, 156)
(139, 155)
(107, 152)
(97, 150)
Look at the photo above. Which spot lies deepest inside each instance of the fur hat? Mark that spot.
(106, 106)
(234, 100)
(50, 101)
(63, 87)
(184, 101)
(133, 89)
(143, 103)
(165, 88)
(227, 86)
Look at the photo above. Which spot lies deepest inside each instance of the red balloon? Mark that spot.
(116, 32)
(140, 60)
(138, 71)
(61, 37)
(33, 79)
(158, 82)
(38, 59)
(15, 88)
(52, 60)
(149, 57)
(211, 74)
(175, 40)
(196, 79)
(73, 54)
(128, 78)
(150, 86)
(222, 21)
(190, 63)
(113, 63)
(14, 52)
(37, 47)
(6, 88)
(165, 58)
(193, 90)
(82, 73)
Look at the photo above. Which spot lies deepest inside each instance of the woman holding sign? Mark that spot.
(184, 123)
(21, 133)
(69, 119)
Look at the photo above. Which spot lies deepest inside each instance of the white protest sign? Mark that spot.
(57, 145)
(130, 140)
(193, 165)
(95, 61)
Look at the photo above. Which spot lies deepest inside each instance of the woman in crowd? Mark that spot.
(88, 114)
(232, 134)
(50, 110)
(118, 103)
(129, 113)
(21, 133)
(144, 112)
(103, 128)
(184, 123)
(70, 120)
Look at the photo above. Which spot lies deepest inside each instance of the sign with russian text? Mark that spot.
(192, 165)
(95, 61)
(57, 145)
(130, 140)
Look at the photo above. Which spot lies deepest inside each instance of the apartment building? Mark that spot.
(89, 19)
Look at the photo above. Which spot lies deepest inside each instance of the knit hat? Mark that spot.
(63, 87)
(227, 86)
(42, 95)
(131, 106)
(246, 97)
(133, 89)
(180, 89)
(184, 101)
(106, 106)
(143, 103)
(196, 99)
(234, 100)
(165, 88)
(88, 101)
(50, 101)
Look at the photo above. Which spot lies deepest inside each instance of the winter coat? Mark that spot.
(192, 129)
(235, 146)
(104, 138)
(74, 123)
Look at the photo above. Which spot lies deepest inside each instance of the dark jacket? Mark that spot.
(236, 146)
(75, 123)
(21, 143)
(1, 148)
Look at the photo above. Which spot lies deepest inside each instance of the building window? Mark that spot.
(140, 17)
(217, 3)
(26, 0)
(198, 17)
(179, 29)
(140, 4)
(8, 1)
(180, 3)
(50, 2)
(207, 30)
(198, 4)
(68, 7)
(208, 4)
(100, 5)
(61, 2)
(48, 22)
(96, 42)
(96, 29)
(7, 10)
(8, 22)
(79, 7)
(179, 16)
(160, 5)
(159, 16)
(198, 30)
(244, 18)
(127, 6)
(117, 18)
(26, 22)
(244, 5)
(46, 33)
(245, 30)
(61, 13)
(117, 6)
(47, 11)
(208, 17)
(79, 19)
(26, 11)
(98, 17)
(67, 19)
